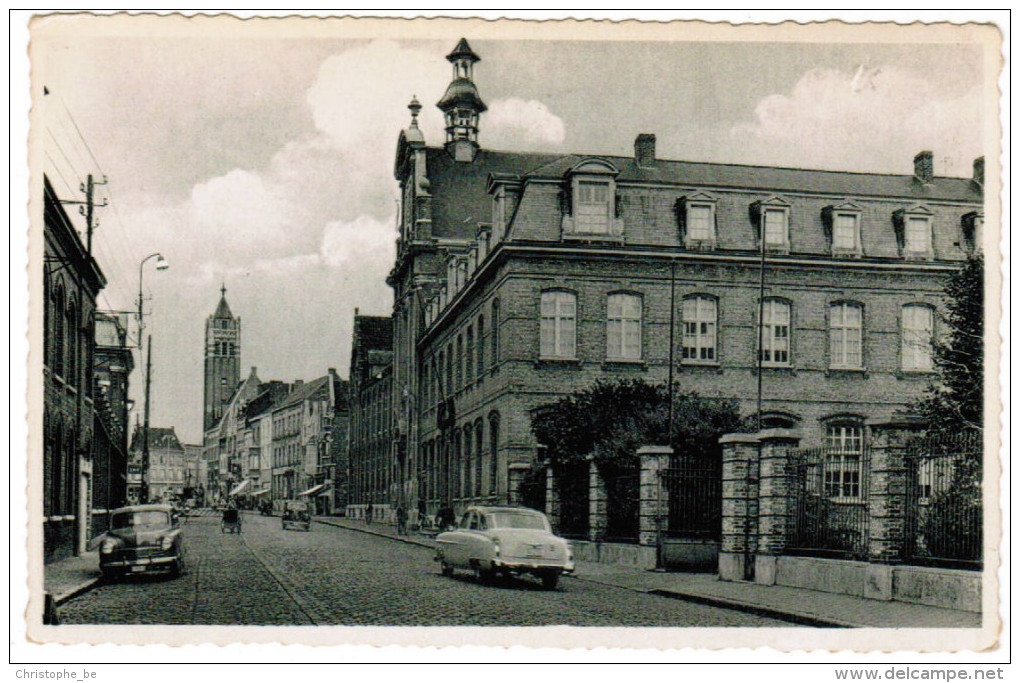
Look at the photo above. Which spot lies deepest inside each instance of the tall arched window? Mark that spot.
(623, 326)
(481, 347)
(440, 389)
(450, 386)
(73, 346)
(469, 355)
(775, 335)
(916, 335)
(844, 443)
(459, 363)
(47, 319)
(59, 326)
(479, 446)
(469, 462)
(846, 323)
(493, 452)
(700, 316)
(494, 342)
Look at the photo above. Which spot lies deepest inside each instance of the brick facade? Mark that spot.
(483, 238)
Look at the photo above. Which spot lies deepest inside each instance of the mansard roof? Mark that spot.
(461, 202)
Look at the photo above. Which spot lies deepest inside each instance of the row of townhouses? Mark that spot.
(522, 277)
(269, 441)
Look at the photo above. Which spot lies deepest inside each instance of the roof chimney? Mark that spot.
(924, 166)
(644, 150)
(979, 171)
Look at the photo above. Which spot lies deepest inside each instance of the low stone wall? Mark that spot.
(690, 554)
(949, 588)
(954, 588)
(627, 554)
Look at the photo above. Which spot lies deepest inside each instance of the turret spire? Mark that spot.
(461, 104)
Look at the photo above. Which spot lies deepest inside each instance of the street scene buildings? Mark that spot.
(700, 367)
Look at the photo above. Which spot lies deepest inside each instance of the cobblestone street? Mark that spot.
(336, 576)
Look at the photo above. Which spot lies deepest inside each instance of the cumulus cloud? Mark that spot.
(866, 119)
(514, 123)
(362, 243)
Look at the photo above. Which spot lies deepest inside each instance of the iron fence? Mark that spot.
(693, 490)
(830, 511)
(622, 503)
(943, 505)
(572, 484)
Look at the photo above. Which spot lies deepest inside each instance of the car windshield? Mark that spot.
(151, 518)
(517, 520)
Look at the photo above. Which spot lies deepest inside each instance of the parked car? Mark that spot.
(142, 539)
(493, 541)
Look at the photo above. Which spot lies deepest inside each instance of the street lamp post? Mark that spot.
(161, 264)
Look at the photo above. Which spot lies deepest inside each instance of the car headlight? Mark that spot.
(168, 542)
(107, 547)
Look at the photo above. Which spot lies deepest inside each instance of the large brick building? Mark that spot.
(72, 280)
(521, 277)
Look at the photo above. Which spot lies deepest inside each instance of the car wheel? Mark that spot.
(445, 569)
(178, 568)
(549, 580)
(484, 576)
(110, 575)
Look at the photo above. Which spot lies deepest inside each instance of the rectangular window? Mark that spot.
(699, 316)
(917, 235)
(845, 326)
(557, 328)
(593, 207)
(775, 228)
(843, 467)
(699, 222)
(844, 232)
(916, 338)
(623, 333)
(775, 333)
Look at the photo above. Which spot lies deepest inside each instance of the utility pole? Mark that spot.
(144, 489)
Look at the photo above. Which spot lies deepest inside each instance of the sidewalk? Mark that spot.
(806, 607)
(72, 576)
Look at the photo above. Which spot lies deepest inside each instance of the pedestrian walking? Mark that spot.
(401, 520)
(368, 514)
(446, 517)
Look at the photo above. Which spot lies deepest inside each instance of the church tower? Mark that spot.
(461, 104)
(222, 360)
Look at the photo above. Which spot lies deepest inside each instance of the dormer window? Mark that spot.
(914, 232)
(772, 218)
(590, 206)
(698, 221)
(499, 213)
(843, 228)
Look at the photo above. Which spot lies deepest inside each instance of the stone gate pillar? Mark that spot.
(887, 493)
(739, 506)
(598, 519)
(775, 501)
(653, 502)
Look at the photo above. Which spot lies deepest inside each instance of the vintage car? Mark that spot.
(492, 541)
(142, 539)
(295, 516)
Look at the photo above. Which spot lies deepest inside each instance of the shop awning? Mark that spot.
(240, 487)
(326, 491)
(260, 492)
(312, 491)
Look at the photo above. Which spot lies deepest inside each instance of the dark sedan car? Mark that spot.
(142, 539)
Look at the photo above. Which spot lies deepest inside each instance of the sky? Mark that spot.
(261, 158)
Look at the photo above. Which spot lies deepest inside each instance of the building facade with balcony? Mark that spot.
(522, 277)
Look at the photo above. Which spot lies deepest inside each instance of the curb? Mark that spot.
(380, 534)
(77, 591)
